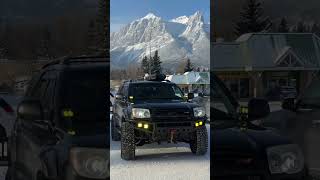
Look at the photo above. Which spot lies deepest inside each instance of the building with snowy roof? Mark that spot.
(192, 81)
(257, 62)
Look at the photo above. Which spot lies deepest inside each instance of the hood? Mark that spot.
(246, 141)
(164, 104)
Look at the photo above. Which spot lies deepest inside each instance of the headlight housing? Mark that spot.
(199, 112)
(285, 159)
(140, 113)
(90, 162)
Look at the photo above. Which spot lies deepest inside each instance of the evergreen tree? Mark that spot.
(44, 51)
(252, 19)
(145, 65)
(155, 64)
(283, 26)
(188, 67)
(102, 27)
(3, 48)
(4, 42)
(92, 39)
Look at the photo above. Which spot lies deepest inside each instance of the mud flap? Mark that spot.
(4, 161)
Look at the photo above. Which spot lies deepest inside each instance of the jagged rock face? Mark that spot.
(174, 39)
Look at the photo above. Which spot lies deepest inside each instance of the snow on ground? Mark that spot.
(160, 162)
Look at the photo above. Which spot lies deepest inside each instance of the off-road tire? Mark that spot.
(199, 145)
(128, 145)
(115, 135)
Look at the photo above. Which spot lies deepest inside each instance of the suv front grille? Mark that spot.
(184, 124)
(171, 115)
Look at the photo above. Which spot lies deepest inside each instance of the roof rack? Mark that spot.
(66, 60)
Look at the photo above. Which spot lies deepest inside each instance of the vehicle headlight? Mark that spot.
(90, 162)
(285, 159)
(140, 113)
(199, 112)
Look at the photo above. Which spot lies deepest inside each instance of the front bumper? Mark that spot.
(181, 131)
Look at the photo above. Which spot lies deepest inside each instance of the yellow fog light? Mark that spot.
(71, 132)
(68, 113)
(200, 123)
(139, 125)
(197, 124)
(146, 126)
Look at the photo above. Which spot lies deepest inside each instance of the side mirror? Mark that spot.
(119, 97)
(258, 108)
(288, 104)
(30, 109)
(190, 96)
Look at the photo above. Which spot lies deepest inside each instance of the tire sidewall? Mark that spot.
(127, 141)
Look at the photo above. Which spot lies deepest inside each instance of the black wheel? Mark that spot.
(199, 145)
(128, 146)
(115, 135)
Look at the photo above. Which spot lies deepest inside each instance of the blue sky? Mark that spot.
(124, 11)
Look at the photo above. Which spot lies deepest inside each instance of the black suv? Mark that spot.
(60, 131)
(155, 110)
(244, 151)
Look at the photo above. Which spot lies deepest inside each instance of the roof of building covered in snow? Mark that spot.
(268, 51)
(190, 78)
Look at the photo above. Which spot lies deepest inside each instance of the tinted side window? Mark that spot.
(40, 89)
(31, 84)
(125, 90)
(121, 90)
(49, 96)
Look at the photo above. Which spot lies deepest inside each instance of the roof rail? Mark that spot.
(77, 59)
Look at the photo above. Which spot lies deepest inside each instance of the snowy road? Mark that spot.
(160, 162)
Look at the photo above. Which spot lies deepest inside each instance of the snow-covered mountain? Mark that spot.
(175, 39)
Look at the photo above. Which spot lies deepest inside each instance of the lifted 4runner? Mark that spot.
(244, 151)
(61, 125)
(154, 111)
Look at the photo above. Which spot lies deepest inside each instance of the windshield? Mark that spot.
(223, 105)
(85, 92)
(155, 91)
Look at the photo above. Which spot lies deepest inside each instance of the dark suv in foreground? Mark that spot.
(155, 111)
(242, 150)
(60, 131)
